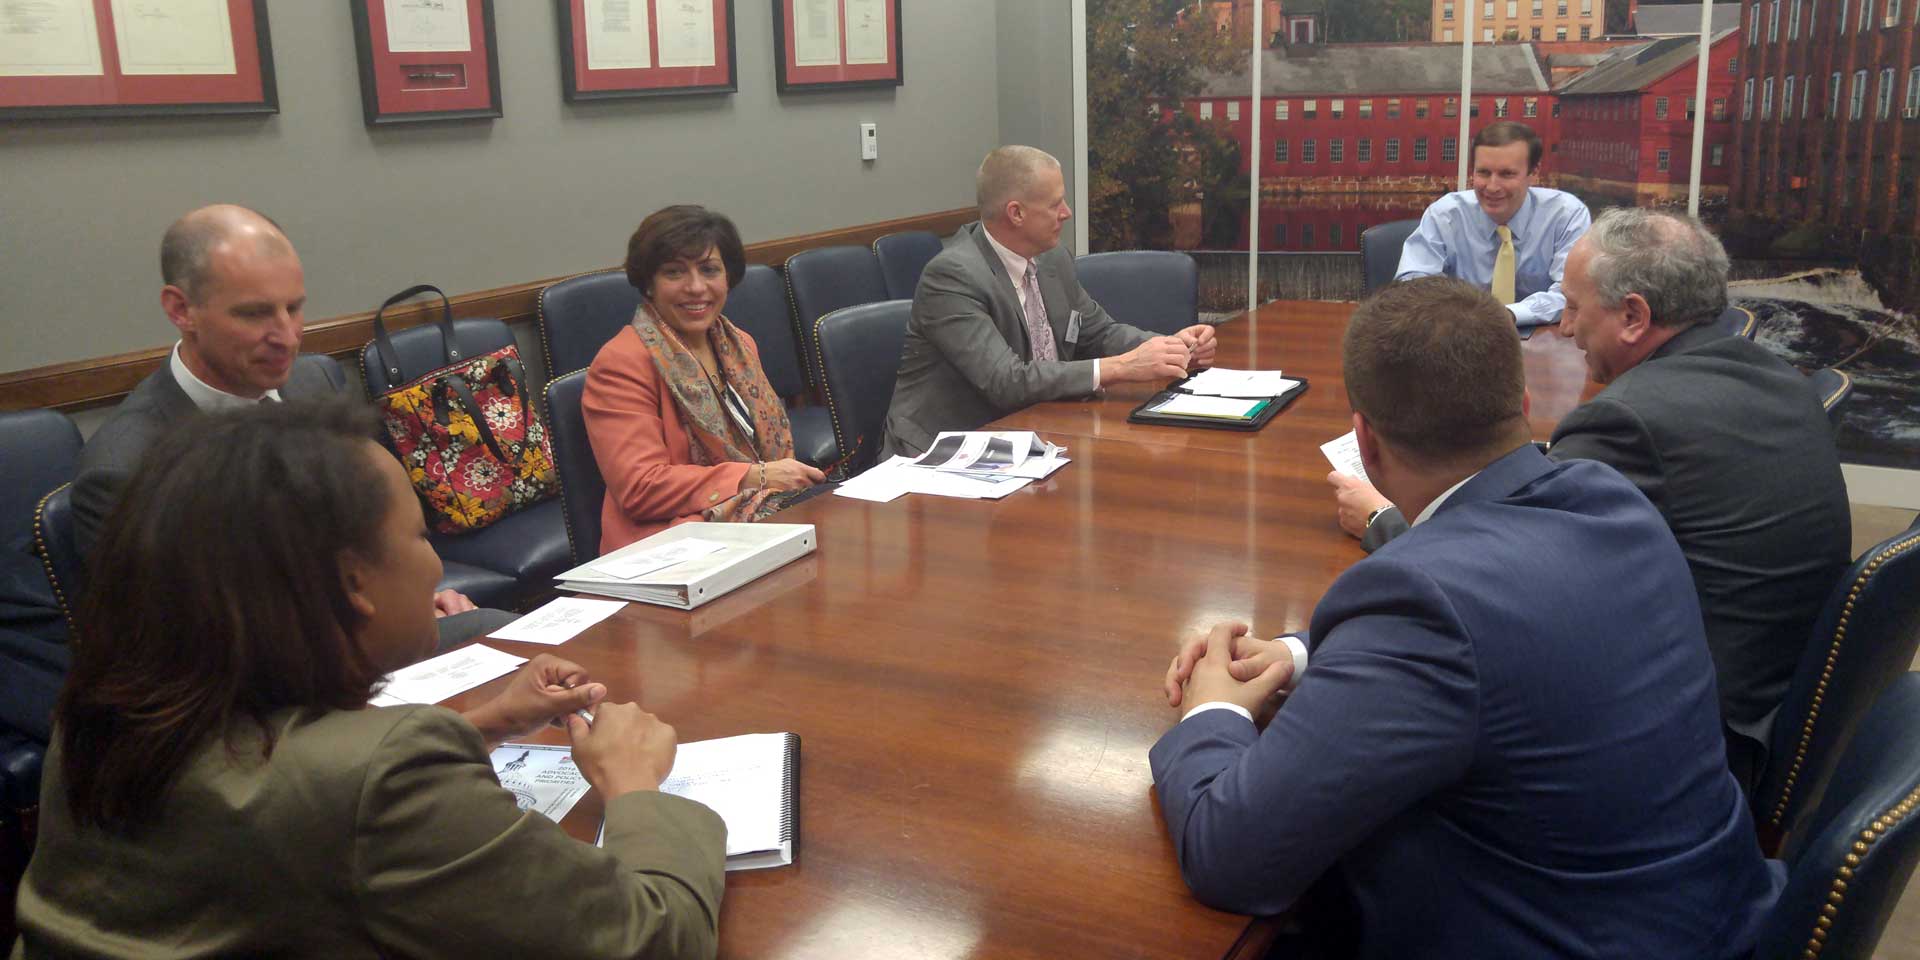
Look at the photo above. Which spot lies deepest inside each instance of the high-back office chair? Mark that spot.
(39, 451)
(758, 305)
(1832, 385)
(521, 552)
(578, 315)
(1857, 853)
(902, 257)
(1864, 638)
(56, 543)
(1738, 321)
(582, 489)
(824, 279)
(1380, 251)
(860, 350)
(1156, 290)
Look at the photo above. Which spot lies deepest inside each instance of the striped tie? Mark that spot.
(1038, 332)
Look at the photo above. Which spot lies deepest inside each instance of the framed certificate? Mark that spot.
(426, 59)
(645, 48)
(836, 44)
(121, 58)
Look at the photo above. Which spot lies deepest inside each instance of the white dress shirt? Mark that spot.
(208, 398)
(1017, 272)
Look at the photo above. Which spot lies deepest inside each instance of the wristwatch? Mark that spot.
(1375, 515)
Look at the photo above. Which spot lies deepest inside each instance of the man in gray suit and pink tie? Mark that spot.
(1000, 321)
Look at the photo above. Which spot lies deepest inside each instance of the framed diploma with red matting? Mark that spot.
(426, 59)
(836, 44)
(122, 58)
(645, 48)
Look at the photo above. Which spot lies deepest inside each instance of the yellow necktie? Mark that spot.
(1503, 267)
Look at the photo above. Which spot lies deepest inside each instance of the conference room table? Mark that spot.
(976, 683)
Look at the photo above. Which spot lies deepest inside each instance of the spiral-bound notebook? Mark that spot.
(753, 783)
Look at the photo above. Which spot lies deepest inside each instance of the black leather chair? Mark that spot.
(527, 547)
(1864, 638)
(860, 350)
(1847, 869)
(758, 305)
(1157, 290)
(1738, 321)
(578, 315)
(823, 280)
(39, 451)
(55, 543)
(902, 256)
(1380, 251)
(582, 489)
(1832, 385)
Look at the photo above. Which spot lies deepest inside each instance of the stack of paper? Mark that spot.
(1222, 382)
(1218, 408)
(898, 476)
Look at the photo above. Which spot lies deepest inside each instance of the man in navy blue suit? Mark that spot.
(1485, 762)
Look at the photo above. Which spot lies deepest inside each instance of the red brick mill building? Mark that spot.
(1829, 131)
(1626, 125)
(1358, 134)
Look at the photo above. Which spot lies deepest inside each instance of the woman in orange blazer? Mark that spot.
(682, 420)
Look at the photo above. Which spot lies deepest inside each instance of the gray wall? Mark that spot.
(548, 189)
(1036, 80)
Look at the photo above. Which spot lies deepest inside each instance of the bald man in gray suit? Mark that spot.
(1000, 321)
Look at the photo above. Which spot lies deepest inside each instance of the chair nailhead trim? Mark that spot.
(1833, 654)
(1837, 891)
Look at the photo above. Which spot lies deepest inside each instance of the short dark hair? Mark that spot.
(1434, 365)
(218, 600)
(683, 231)
(1506, 132)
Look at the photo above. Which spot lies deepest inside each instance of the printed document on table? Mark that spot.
(1344, 454)
(559, 621)
(1223, 408)
(998, 452)
(49, 38)
(739, 778)
(617, 37)
(1222, 382)
(659, 558)
(434, 680)
(540, 776)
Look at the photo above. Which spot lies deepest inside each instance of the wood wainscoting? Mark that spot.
(82, 384)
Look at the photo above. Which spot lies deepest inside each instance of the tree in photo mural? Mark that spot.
(1143, 55)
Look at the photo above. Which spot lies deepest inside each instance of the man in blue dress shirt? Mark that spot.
(1486, 763)
(1505, 235)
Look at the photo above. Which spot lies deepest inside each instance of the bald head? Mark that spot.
(186, 252)
(1010, 173)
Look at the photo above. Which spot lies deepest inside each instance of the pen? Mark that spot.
(584, 715)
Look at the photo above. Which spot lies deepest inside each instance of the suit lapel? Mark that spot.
(169, 397)
(1053, 295)
(1006, 299)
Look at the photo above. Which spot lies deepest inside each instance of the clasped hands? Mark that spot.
(1164, 357)
(1228, 665)
(623, 749)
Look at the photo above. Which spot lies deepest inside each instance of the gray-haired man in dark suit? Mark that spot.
(1000, 321)
(1726, 439)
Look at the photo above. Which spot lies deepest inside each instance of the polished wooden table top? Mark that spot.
(976, 684)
